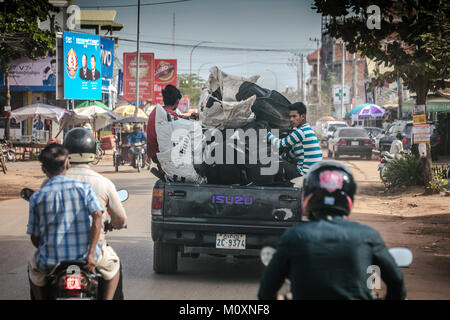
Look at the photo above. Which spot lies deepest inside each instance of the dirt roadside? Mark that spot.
(406, 219)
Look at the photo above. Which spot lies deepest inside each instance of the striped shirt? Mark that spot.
(60, 214)
(304, 147)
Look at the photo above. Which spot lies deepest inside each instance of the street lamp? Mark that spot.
(190, 65)
(203, 64)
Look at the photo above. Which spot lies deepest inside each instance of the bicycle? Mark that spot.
(98, 155)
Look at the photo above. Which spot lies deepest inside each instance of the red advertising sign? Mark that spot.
(146, 76)
(165, 73)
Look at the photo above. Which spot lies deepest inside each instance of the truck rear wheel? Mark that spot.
(165, 257)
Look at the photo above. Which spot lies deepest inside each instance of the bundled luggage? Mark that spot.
(231, 110)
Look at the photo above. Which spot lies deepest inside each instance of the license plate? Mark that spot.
(230, 241)
(73, 283)
(355, 143)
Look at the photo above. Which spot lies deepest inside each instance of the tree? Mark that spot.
(412, 38)
(20, 36)
(327, 92)
(191, 85)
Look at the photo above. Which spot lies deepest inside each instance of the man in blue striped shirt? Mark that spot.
(302, 143)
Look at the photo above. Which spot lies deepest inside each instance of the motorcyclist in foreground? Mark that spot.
(328, 257)
(65, 220)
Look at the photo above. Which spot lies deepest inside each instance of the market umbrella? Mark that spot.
(89, 103)
(44, 111)
(98, 115)
(359, 107)
(371, 111)
(128, 111)
(327, 118)
(131, 120)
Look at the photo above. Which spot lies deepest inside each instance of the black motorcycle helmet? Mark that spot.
(328, 187)
(81, 145)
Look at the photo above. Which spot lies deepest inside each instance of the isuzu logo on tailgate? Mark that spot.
(232, 200)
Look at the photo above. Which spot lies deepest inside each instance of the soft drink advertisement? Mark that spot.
(146, 76)
(82, 66)
(165, 73)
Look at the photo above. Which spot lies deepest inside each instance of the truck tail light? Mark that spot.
(404, 140)
(157, 201)
(342, 143)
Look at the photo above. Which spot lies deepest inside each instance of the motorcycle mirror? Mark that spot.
(402, 256)
(266, 255)
(26, 193)
(123, 195)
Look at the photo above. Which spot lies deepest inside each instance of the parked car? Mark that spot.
(350, 141)
(330, 129)
(405, 128)
(373, 131)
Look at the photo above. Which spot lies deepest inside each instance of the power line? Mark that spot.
(217, 48)
(134, 5)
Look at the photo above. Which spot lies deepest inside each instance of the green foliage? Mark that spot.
(191, 85)
(405, 171)
(327, 92)
(20, 32)
(414, 38)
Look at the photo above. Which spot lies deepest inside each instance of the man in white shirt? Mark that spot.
(397, 145)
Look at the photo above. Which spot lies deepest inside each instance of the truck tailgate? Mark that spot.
(215, 203)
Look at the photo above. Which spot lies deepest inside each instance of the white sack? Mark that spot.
(224, 114)
(228, 84)
(177, 163)
(170, 130)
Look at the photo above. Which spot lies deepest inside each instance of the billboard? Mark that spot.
(26, 72)
(82, 67)
(107, 57)
(165, 73)
(146, 76)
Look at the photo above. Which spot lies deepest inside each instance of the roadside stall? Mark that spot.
(30, 146)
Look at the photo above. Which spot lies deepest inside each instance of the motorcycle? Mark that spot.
(69, 281)
(403, 257)
(9, 154)
(385, 158)
(138, 161)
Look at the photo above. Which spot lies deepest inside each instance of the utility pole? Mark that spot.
(173, 32)
(400, 97)
(137, 60)
(302, 94)
(319, 88)
(354, 81)
(343, 81)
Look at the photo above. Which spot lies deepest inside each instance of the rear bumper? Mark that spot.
(351, 150)
(204, 235)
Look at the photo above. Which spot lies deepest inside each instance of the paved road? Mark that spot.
(204, 278)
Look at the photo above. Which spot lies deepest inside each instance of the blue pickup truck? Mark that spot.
(226, 220)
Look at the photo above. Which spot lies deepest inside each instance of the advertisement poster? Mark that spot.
(421, 133)
(36, 73)
(165, 73)
(146, 76)
(82, 66)
(107, 57)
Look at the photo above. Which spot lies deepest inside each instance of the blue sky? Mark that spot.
(280, 24)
